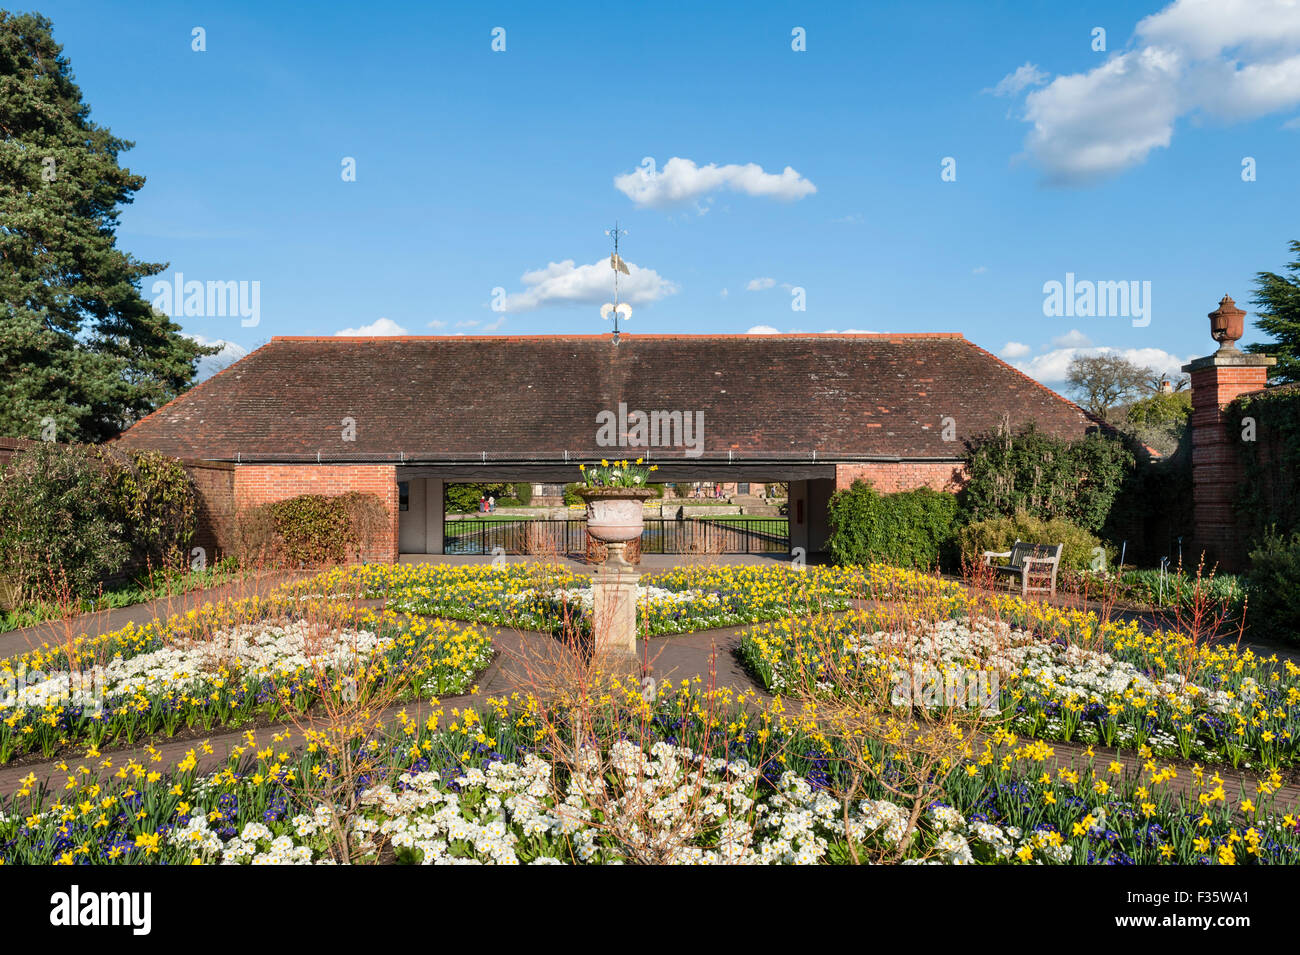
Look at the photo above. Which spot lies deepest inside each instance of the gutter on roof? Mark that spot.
(445, 460)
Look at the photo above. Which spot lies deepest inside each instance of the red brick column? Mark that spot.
(1217, 380)
(260, 483)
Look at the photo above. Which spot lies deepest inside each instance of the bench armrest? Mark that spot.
(995, 553)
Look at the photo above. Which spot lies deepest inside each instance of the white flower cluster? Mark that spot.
(256, 844)
(666, 805)
(261, 649)
(960, 841)
(1057, 671)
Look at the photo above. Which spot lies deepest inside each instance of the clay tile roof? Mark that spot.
(764, 397)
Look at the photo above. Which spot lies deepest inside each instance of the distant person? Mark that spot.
(492, 502)
(482, 504)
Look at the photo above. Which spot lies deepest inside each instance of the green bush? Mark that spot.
(1274, 607)
(999, 533)
(907, 529)
(310, 529)
(571, 494)
(156, 502)
(59, 526)
(464, 498)
(1045, 477)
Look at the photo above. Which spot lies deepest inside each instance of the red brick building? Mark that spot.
(402, 417)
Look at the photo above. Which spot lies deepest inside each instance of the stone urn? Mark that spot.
(615, 516)
(1227, 324)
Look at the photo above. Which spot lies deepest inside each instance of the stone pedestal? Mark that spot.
(613, 591)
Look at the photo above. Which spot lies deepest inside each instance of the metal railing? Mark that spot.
(568, 536)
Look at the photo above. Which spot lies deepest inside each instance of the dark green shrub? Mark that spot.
(907, 529)
(156, 502)
(1269, 494)
(1044, 476)
(1081, 550)
(1274, 608)
(58, 522)
(571, 494)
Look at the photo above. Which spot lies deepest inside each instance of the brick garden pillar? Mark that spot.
(1217, 380)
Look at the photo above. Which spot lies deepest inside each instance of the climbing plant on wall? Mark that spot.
(1265, 427)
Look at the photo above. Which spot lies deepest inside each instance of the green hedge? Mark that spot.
(999, 533)
(907, 529)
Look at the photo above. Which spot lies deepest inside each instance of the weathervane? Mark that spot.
(616, 308)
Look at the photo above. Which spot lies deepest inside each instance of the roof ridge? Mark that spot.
(608, 336)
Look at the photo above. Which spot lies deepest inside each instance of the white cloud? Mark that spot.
(1024, 77)
(467, 323)
(854, 218)
(1072, 339)
(1230, 60)
(724, 293)
(757, 285)
(209, 365)
(979, 270)
(849, 331)
(379, 327)
(763, 330)
(1015, 350)
(1292, 123)
(437, 323)
(1051, 367)
(681, 180)
(563, 283)
(494, 326)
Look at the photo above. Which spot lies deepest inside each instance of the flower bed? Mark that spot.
(1139, 689)
(223, 665)
(707, 780)
(549, 597)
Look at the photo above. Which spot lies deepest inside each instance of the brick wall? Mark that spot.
(260, 483)
(891, 476)
(214, 487)
(11, 446)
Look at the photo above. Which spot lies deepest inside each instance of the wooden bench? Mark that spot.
(1035, 564)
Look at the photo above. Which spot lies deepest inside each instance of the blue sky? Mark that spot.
(479, 170)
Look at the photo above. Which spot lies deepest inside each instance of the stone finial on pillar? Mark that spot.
(1218, 380)
(1227, 324)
